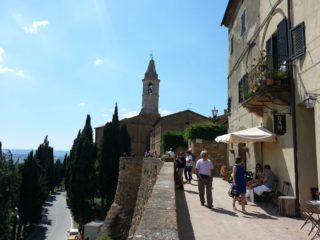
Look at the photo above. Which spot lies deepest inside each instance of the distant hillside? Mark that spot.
(22, 154)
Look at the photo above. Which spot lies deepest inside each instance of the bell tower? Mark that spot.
(150, 91)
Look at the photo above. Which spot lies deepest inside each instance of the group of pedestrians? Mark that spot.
(187, 165)
(203, 168)
(262, 181)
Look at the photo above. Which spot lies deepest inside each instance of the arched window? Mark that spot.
(150, 88)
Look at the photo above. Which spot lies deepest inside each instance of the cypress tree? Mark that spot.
(44, 156)
(125, 140)
(82, 185)
(106, 166)
(31, 191)
(9, 195)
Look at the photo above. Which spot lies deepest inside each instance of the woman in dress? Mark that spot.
(239, 181)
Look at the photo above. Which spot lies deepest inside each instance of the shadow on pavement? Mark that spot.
(185, 229)
(224, 211)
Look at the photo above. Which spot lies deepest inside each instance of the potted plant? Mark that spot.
(269, 78)
(280, 75)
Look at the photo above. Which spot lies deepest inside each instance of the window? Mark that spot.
(150, 88)
(231, 45)
(277, 47)
(298, 41)
(243, 23)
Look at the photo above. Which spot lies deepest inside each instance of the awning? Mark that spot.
(255, 134)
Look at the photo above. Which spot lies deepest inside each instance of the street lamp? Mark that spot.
(214, 112)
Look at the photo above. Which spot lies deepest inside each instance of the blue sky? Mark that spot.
(63, 59)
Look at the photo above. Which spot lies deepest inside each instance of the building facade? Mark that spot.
(175, 122)
(146, 129)
(273, 71)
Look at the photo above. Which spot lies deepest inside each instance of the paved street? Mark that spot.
(222, 222)
(56, 220)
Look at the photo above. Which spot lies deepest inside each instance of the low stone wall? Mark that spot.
(159, 218)
(150, 170)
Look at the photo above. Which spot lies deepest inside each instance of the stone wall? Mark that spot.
(159, 218)
(136, 179)
(218, 152)
(119, 216)
(151, 168)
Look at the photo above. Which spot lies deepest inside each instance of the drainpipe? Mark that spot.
(294, 120)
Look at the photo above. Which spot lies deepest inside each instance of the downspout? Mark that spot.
(294, 120)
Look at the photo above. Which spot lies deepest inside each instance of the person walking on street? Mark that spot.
(180, 164)
(204, 171)
(238, 180)
(188, 167)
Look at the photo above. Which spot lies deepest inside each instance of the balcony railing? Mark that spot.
(261, 80)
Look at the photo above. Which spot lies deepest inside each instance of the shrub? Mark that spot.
(172, 139)
(205, 131)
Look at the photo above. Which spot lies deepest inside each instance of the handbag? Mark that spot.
(233, 192)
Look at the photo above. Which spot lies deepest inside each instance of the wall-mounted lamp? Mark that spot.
(310, 100)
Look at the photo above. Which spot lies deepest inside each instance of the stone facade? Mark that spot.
(255, 27)
(217, 152)
(178, 122)
(136, 179)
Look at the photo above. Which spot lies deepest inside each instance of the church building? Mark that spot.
(146, 126)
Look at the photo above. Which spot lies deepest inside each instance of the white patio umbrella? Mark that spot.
(255, 134)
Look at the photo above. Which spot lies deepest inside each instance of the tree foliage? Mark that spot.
(9, 186)
(82, 179)
(44, 156)
(32, 190)
(172, 139)
(206, 131)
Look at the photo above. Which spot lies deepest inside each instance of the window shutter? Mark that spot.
(269, 54)
(282, 43)
(298, 41)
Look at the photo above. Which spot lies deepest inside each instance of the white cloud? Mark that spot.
(98, 61)
(82, 104)
(33, 28)
(164, 112)
(130, 114)
(4, 69)
(1, 55)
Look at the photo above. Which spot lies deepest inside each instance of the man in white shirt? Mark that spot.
(204, 171)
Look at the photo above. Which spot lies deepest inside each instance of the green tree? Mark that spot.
(58, 173)
(82, 180)
(68, 162)
(106, 166)
(5, 204)
(172, 139)
(109, 160)
(206, 131)
(44, 156)
(31, 190)
(125, 140)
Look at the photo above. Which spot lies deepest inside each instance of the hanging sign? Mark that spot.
(279, 124)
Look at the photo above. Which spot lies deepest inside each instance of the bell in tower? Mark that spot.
(150, 91)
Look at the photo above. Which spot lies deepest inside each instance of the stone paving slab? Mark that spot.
(222, 222)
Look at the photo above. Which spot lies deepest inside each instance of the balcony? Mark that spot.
(260, 88)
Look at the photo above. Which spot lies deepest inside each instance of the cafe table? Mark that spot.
(312, 212)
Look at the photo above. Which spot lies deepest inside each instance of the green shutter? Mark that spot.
(298, 41)
(282, 43)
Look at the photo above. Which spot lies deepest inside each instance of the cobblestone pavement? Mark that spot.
(222, 222)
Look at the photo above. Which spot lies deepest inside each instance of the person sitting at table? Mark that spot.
(267, 182)
(258, 176)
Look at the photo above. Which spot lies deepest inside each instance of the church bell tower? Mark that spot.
(150, 91)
